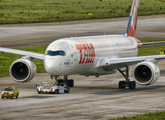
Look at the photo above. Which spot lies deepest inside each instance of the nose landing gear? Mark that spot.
(64, 81)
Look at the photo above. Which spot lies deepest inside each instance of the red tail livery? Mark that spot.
(132, 23)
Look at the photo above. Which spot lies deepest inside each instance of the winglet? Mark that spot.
(132, 23)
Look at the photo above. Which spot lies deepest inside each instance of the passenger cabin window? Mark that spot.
(55, 53)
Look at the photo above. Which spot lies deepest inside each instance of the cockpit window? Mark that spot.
(55, 53)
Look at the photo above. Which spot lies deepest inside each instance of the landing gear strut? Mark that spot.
(127, 82)
(63, 81)
(70, 82)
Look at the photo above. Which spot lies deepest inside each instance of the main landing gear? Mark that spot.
(127, 82)
(65, 80)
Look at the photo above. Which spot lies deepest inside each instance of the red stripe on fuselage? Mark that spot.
(89, 53)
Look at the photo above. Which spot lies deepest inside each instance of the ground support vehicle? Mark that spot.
(10, 91)
(51, 87)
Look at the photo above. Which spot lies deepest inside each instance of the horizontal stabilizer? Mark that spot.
(151, 44)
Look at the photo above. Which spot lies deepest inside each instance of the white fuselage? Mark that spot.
(79, 55)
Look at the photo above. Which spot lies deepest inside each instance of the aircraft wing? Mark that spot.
(151, 44)
(22, 52)
(110, 64)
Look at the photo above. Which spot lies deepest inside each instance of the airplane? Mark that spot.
(92, 56)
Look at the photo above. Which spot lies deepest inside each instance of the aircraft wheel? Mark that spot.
(132, 85)
(71, 83)
(60, 82)
(122, 84)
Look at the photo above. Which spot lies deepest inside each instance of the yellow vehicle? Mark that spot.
(10, 91)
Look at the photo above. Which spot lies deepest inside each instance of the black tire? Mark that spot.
(17, 96)
(71, 83)
(60, 82)
(2, 97)
(56, 91)
(38, 92)
(120, 84)
(11, 96)
(123, 84)
(68, 83)
(132, 85)
(67, 89)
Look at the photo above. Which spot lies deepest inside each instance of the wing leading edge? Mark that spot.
(22, 52)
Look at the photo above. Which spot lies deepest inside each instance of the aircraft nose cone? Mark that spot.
(50, 66)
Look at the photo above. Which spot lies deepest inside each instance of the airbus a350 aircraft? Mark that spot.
(92, 56)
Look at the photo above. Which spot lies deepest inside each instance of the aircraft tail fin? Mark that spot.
(132, 23)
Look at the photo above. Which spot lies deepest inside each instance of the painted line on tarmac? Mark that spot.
(89, 101)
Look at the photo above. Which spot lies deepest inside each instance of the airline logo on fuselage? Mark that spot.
(87, 53)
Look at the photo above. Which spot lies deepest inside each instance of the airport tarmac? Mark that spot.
(91, 98)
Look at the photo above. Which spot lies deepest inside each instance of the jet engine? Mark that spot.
(22, 70)
(146, 73)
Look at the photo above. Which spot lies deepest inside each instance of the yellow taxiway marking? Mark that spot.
(79, 102)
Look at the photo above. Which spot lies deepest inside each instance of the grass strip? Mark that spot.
(148, 116)
(32, 11)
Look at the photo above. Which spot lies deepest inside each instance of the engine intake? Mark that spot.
(146, 73)
(22, 70)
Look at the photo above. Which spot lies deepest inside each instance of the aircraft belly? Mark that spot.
(96, 72)
(74, 69)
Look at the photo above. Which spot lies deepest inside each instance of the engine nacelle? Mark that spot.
(22, 70)
(146, 73)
